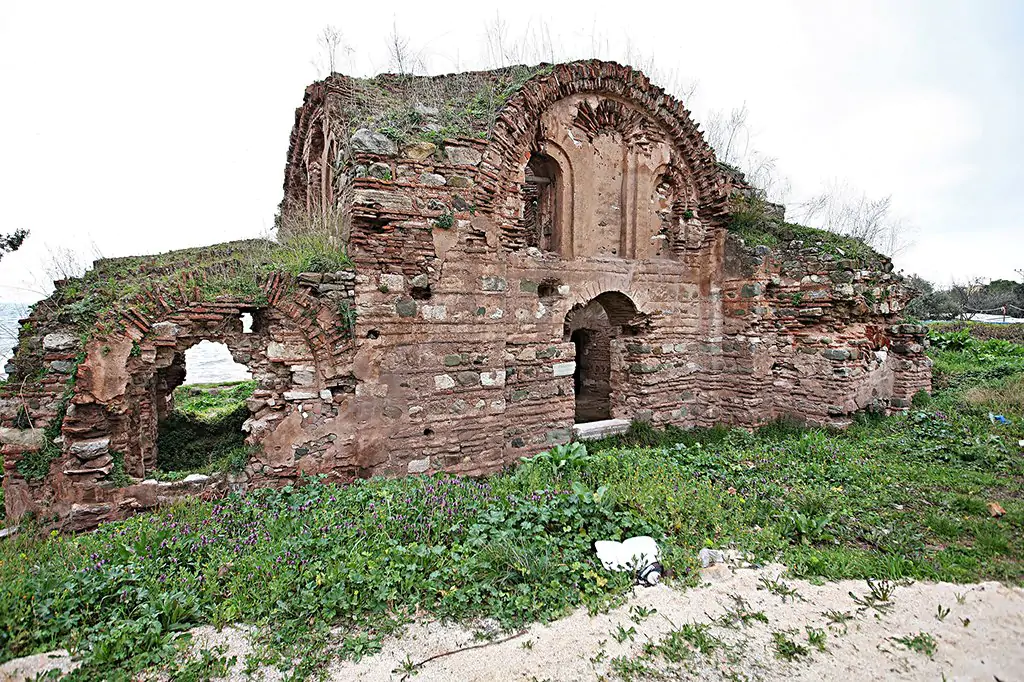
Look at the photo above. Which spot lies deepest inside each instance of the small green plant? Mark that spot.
(639, 613)
(922, 643)
(780, 588)
(700, 638)
(445, 221)
(621, 634)
(560, 456)
(118, 476)
(787, 648)
(942, 612)
(879, 596)
(346, 318)
(961, 597)
(741, 614)
(806, 529)
(837, 620)
(816, 637)
(209, 665)
(408, 667)
(921, 399)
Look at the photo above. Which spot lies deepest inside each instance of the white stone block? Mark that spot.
(434, 312)
(564, 369)
(443, 382)
(495, 378)
(419, 466)
(600, 429)
(299, 395)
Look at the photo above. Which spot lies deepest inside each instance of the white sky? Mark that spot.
(140, 127)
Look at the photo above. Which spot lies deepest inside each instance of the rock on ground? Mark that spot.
(33, 667)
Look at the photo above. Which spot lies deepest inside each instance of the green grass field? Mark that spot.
(899, 497)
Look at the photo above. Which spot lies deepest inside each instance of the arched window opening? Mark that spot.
(201, 405)
(540, 202)
(667, 222)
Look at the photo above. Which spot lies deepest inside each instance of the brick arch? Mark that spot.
(308, 117)
(621, 311)
(516, 131)
(113, 405)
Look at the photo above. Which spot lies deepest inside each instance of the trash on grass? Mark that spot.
(639, 555)
(998, 419)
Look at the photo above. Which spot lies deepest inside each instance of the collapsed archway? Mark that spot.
(595, 329)
(201, 405)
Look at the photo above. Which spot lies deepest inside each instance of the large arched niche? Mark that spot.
(603, 110)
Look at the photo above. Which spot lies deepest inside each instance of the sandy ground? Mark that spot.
(981, 637)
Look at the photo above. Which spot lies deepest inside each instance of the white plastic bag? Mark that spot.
(639, 555)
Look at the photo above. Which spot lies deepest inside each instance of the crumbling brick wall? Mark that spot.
(449, 345)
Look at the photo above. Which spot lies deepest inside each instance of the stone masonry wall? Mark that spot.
(448, 347)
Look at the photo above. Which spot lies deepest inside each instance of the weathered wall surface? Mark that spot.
(298, 350)
(594, 204)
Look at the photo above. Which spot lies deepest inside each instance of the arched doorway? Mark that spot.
(201, 407)
(593, 328)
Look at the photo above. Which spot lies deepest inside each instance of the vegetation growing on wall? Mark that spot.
(434, 108)
(903, 497)
(235, 269)
(35, 466)
(752, 221)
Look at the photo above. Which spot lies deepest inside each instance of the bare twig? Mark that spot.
(459, 651)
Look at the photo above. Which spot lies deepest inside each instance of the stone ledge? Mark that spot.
(600, 429)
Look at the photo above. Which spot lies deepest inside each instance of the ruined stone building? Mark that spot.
(530, 249)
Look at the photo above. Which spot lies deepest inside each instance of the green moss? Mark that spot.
(445, 221)
(750, 222)
(467, 104)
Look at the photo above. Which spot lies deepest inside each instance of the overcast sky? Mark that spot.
(140, 127)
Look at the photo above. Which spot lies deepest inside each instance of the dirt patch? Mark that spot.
(980, 636)
(581, 647)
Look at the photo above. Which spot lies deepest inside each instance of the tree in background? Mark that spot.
(964, 300)
(928, 302)
(12, 242)
(840, 208)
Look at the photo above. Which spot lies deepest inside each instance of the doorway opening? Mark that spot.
(201, 405)
(592, 378)
(593, 329)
